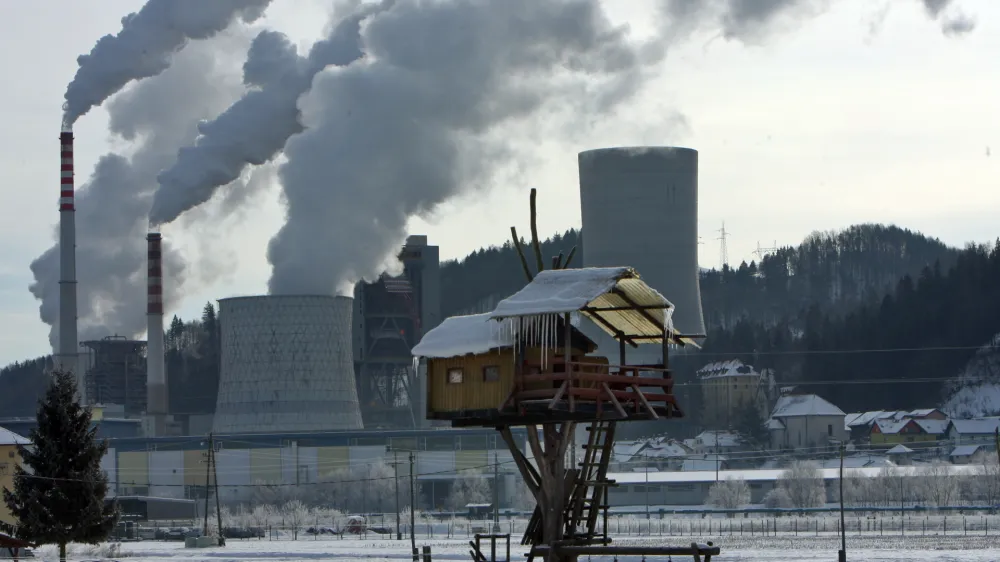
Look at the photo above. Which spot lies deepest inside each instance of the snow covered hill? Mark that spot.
(976, 391)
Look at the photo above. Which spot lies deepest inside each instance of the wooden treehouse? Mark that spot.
(527, 364)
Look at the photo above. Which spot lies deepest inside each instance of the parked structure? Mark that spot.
(729, 387)
(9, 459)
(806, 422)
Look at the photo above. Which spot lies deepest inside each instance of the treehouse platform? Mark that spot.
(527, 362)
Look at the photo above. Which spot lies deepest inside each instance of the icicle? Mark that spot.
(416, 366)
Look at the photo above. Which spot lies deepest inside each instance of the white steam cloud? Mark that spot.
(145, 45)
(255, 128)
(112, 207)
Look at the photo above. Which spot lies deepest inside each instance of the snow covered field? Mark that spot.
(771, 549)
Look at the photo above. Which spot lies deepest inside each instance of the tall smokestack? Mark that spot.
(156, 384)
(67, 354)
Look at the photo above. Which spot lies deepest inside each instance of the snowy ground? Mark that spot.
(959, 548)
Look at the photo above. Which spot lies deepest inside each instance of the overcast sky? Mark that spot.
(858, 115)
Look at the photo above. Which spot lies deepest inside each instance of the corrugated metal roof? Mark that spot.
(603, 294)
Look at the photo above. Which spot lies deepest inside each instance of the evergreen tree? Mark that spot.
(62, 499)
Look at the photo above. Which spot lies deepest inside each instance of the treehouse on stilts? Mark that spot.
(527, 364)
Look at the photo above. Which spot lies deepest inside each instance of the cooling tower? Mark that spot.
(640, 208)
(286, 365)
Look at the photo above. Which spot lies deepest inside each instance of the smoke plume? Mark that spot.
(154, 117)
(418, 119)
(255, 128)
(953, 22)
(145, 45)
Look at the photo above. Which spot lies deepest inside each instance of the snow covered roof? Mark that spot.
(892, 426)
(899, 450)
(857, 461)
(602, 294)
(8, 437)
(765, 475)
(775, 423)
(921, 413)
(804, 405)
(867, 418)
(461, 335)
(713, 438)
(975, 427)
(965, 450)
(933, 427)
(730, 368)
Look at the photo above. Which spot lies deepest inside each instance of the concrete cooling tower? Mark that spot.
(286, 365)
(640, 208)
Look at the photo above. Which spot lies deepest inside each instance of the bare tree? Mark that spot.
(296, 514)
(983, 485)
(470, 487)
(937, 486)
(803, 482)
(729, 494)
(858, 490)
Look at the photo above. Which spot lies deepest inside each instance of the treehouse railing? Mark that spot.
(621, 390)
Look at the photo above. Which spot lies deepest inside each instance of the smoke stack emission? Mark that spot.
(255, 128)
(67, 352)
(156, 383)
(145, 46)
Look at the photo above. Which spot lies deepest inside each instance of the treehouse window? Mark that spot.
(491, 373)
(456, 375)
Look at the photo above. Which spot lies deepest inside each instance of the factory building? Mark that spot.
(173, 467)
(116, 373)
(390, 317)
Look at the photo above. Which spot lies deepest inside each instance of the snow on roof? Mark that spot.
(461, 335)
(765, 475)
(731, 368)
(867, 418)
(775, 423)
(587, 291)
(933, 427)
(899, 450)
(712, 438)
(965, 450)
(804, 405)
(623, 451)
(976, 427)
(890, 426)
(857, 461)
(8, 437)
(921, 413)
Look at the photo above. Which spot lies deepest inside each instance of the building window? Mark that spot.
(829, 431)
(491, 373)
(456, 375)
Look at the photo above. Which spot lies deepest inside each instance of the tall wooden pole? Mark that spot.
(413, 501)
(218, 508)
(842, 555)
(208, 477)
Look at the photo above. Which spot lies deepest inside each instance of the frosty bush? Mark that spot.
(296, 515)
(983, 486)
(364, 488)
(936, 485)
(470, 487)
(777, 498)
(803, 483)
(729, 494)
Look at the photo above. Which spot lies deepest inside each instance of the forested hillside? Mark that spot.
(834, 271)
(894, 353)
(22, 383)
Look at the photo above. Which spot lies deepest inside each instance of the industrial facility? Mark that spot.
(310, 383)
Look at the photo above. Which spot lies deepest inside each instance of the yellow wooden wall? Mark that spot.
(133, 468)
(331, 459)
(9, 459)
(473, 393)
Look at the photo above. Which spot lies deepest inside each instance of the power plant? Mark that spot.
(286, 365)
(156, 401)
(655, 191)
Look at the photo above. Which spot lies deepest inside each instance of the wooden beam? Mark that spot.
(622, 308)
(641, 310)
(608, 325)
(559, 394)
(534, 232)
(520, 254)
(528, 472)
(614, 401)
(642, 398)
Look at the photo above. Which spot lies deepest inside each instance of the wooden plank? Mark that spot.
(614, 401)
(645, 402)
(559, 394)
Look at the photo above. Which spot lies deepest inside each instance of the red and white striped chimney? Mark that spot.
(67, 354)
(156, 383)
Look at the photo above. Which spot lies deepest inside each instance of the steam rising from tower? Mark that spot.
(68, 356)
(156, 384)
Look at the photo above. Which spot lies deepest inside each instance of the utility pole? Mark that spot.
(395, 477)
(842, 555)
(413, 495)
(496, 493)
(208, 478)
(218, 509)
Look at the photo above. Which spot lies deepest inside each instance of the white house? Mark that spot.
(805, 422)
(971, 432)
